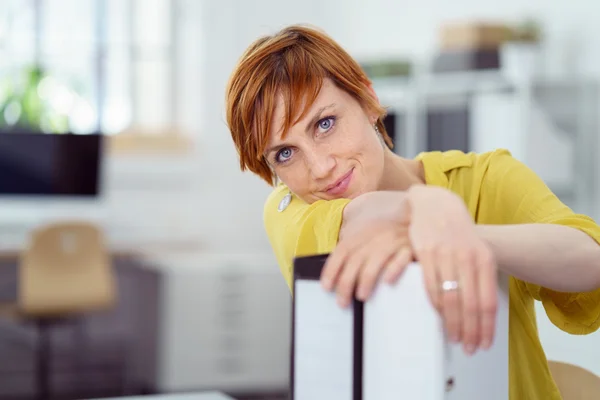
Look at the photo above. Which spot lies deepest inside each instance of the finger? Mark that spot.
(451, 301)
(397, 264)
(426, 259)
(336, 259)
(346, 283)
(333, 266)
(469, 294)
(488, 297)
(376, 261)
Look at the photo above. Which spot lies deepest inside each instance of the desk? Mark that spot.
(131, 328)
(186, 396)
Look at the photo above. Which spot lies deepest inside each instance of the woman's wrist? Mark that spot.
(375, 206)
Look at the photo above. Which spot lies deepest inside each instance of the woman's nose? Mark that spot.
(321, 165)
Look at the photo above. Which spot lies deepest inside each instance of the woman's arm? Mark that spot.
(306, 229)
(535, 238)
(557, 257)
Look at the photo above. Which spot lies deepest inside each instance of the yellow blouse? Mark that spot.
(497, 189)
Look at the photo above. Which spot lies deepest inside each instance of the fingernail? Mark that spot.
(342, 302)
(326, 283)
(470, 349)
(361, 294)
(486, 344)
(454, 339)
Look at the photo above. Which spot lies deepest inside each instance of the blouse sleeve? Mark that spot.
(522, 197)
(301, 229)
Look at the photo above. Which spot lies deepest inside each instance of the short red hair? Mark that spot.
(291, 63)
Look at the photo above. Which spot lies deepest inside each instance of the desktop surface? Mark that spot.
(183, 396)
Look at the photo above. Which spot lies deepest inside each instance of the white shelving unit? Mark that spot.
(564, 107)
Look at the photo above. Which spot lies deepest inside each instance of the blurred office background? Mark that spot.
(112, 126)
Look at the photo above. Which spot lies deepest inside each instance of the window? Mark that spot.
(111, 66)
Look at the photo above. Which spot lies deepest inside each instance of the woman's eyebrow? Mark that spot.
(318, 115)
(275, 149)
(309, 126)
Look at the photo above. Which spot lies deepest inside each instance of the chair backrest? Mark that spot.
(575, 383)
(66, 269)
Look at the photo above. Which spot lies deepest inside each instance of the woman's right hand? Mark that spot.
(373, 244)
(381, 250)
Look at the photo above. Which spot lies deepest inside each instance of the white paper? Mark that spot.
(485, 374)
(323, 345)
(403, 342)
(406, 354)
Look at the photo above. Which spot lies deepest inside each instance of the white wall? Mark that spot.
(387, 27)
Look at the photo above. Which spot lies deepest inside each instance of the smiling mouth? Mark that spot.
(341, 185)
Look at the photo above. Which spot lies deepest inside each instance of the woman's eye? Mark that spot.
(283, 155)
(326, 123)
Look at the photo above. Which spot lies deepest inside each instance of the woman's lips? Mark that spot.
(341, 186)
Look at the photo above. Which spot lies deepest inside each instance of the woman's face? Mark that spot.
(333, 152)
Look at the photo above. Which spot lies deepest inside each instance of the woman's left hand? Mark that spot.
(459, 268)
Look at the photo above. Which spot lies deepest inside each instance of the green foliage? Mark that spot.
(529, 31)
(22, 105)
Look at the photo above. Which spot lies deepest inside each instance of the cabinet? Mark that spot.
(227, 327)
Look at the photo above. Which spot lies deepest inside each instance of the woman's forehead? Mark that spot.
(300, 112)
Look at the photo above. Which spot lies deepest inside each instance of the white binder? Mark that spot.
(391, 347)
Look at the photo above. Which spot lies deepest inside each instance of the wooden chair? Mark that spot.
(64, 272)
(575, 383)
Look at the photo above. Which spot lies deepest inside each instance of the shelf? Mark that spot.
(401, 92)
(154, 143)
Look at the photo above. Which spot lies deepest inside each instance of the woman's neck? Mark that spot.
(400, 173)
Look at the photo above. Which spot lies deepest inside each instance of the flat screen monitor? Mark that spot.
(39, 164)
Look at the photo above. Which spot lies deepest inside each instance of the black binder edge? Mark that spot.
(309, 268)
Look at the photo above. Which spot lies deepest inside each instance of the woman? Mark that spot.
(302, 113)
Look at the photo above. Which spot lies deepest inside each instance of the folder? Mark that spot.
(393, 346)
